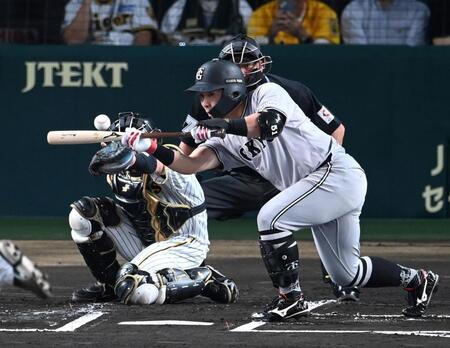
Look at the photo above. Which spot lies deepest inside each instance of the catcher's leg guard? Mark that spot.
(179, 285)
(135, 286)
(220, 288)
(100, 257)
(86, 219)
(281, 262)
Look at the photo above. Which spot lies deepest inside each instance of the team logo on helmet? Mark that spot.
(199, 74)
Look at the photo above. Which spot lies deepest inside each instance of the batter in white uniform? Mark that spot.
(321, 186)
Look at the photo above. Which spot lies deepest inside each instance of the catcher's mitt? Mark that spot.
(112, 159)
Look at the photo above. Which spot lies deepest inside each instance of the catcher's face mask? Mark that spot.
(244, 52)
(131, 119)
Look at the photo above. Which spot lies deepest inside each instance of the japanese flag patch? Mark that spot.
(325, 114)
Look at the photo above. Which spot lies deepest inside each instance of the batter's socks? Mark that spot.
(292, 288)
(410, 278)
(383, 273)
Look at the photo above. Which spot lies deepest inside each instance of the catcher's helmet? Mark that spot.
(131, 119)
(221, 74)
(242, 49)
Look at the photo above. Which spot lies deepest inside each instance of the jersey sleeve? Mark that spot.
(226, 158)
(143, 17)
(309, 103)
(71, 10)
(272, 96)
(319, 114)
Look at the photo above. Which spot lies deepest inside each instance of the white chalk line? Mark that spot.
(167, 322)
(69, 327)
(77, 323)
(251, 327)
(359, 316)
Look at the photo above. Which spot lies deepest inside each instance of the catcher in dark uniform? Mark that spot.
(231, 194)
(151, 213)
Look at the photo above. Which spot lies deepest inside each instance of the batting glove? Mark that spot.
(132, 139)
(200, 134)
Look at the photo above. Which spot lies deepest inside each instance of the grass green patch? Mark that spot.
(57, 228)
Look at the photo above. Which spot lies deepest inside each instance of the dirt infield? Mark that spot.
(376, 320)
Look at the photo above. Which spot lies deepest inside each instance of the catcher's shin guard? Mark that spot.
(220, 288)
(178, 285)
(281, 262)
(100, 257)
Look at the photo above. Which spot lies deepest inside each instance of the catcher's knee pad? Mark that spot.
(281, 262)
(83, 230)
(98, 210)
(178, 285)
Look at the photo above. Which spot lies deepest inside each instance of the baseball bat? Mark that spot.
(75, 137)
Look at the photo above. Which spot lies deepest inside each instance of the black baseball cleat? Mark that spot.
(345, 294)
(419, 297)
(283, 307)
(96, 292)
(220, 288)
(26, 274)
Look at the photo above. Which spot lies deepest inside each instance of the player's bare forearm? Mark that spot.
(253, 130)
(339, 133)
(185, 148)
(201, 159)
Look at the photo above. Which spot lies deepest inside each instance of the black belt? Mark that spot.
(196, 210)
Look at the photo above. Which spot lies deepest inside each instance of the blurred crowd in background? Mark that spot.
(212, 22)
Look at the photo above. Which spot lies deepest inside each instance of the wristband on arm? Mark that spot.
(163, 154)
(237, 127)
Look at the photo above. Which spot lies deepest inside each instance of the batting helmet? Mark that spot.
(131, 119)
(242, 49)
(220, 74)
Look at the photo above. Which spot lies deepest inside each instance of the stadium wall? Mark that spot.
(394, 102)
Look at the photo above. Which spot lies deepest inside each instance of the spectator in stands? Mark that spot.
(109, 22)
(294, 22)
(439, 21)
(386, 22)
(205, 22)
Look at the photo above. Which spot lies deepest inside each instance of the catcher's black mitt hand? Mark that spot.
(112, 159)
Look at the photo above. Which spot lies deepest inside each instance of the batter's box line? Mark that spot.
(69, 327)
(252, 327)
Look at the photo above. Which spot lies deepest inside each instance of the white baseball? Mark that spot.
(102, 122)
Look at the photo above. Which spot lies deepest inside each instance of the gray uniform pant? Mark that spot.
(329, 201)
